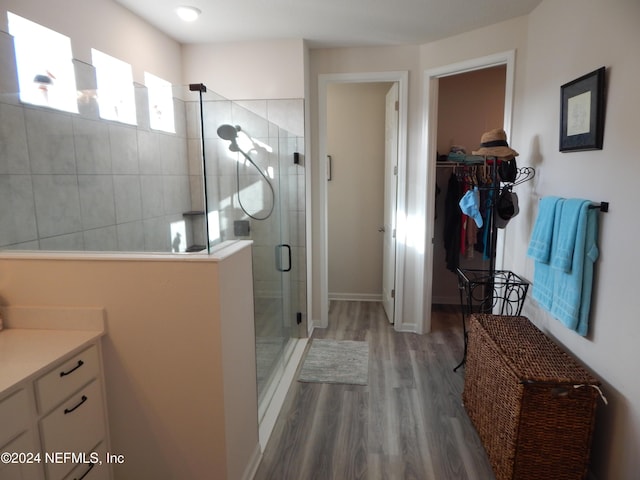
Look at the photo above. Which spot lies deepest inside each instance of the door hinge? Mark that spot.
(298, 318)
(393, 233)
(395, 170)
(393, 293)
(397, 106)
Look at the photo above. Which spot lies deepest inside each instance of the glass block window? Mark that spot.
(160, 103)
(44, 63)
(116, 98)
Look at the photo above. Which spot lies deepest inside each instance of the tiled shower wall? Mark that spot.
(76, 182)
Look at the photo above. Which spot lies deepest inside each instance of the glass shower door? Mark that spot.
(254, 190)
(279, 258)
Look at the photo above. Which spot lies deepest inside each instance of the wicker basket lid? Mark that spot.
(533, 357)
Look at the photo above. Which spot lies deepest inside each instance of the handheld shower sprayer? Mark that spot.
(230, 133)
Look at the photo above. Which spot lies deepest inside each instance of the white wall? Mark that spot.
(179, 354)
(600, 34)
(355, 195)
(107, 26)
(248, 70)
(551, 51)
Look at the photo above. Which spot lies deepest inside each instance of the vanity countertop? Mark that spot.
(25, 353)
(34, 338)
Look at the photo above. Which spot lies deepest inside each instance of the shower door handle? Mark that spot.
(279, 266)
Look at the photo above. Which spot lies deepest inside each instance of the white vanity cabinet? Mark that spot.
(53, 421)
(70, 398)
(17, 436)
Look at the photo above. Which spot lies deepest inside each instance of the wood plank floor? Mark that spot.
(407, 423)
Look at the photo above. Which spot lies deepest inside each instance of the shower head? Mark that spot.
(228, 132)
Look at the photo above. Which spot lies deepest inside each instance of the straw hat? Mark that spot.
(494, 144)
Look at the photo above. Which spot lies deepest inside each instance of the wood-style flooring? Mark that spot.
(407, 423)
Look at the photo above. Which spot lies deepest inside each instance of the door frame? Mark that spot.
(324, 80)
(389, 224)
(430, 122)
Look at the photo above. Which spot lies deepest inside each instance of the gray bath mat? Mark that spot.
(336, 361)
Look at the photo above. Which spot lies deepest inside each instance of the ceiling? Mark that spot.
(327, 23)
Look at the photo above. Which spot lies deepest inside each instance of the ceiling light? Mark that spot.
(188, 14)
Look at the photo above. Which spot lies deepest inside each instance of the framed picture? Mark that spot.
(582, 112)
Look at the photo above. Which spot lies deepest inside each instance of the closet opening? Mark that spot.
(463, 101)
(469, 104)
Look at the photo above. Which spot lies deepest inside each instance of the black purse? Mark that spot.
(508, 170)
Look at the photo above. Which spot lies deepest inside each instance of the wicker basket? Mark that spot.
(531, 403)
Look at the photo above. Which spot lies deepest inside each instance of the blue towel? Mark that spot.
(564, 256)
(540, 244)
(591, 254)
(572, 289)
(563, 249)
(543, 237)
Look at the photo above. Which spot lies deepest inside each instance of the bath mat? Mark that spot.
(336, 361)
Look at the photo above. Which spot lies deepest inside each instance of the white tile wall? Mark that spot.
(17, 210)
(57, 204)
(97, 201)
(72, 241)
(128, 198)
(149, 158)
(131, 236)
(92, 146)
(50, 141)
(101, 239)
(14, 155)
(74, 181)
(124, 149)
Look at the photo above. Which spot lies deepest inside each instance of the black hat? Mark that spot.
(506, 207)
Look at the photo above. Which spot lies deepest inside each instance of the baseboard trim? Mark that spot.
(254, 463)
(356, 297)
(445, 300)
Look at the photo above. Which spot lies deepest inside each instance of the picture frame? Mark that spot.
(582, 112)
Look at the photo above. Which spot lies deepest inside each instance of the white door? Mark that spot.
(390, 189)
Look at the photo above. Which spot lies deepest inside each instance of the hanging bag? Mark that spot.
(508, 170)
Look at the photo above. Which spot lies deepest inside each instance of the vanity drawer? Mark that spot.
(66, 378)
(26, 469)
(75, 426)
(97, 471)
(14, 415)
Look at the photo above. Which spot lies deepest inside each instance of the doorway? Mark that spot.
(479, 94)
(401, 80)
(504, 60)
(361, 191)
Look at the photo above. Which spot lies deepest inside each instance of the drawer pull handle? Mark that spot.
(82, 400)
(91, 465)
(80, 363)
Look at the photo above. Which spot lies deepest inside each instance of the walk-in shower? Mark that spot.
(77, 182)
(255, 188)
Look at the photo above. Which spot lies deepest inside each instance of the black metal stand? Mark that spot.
(501, 292)
(492, 291)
